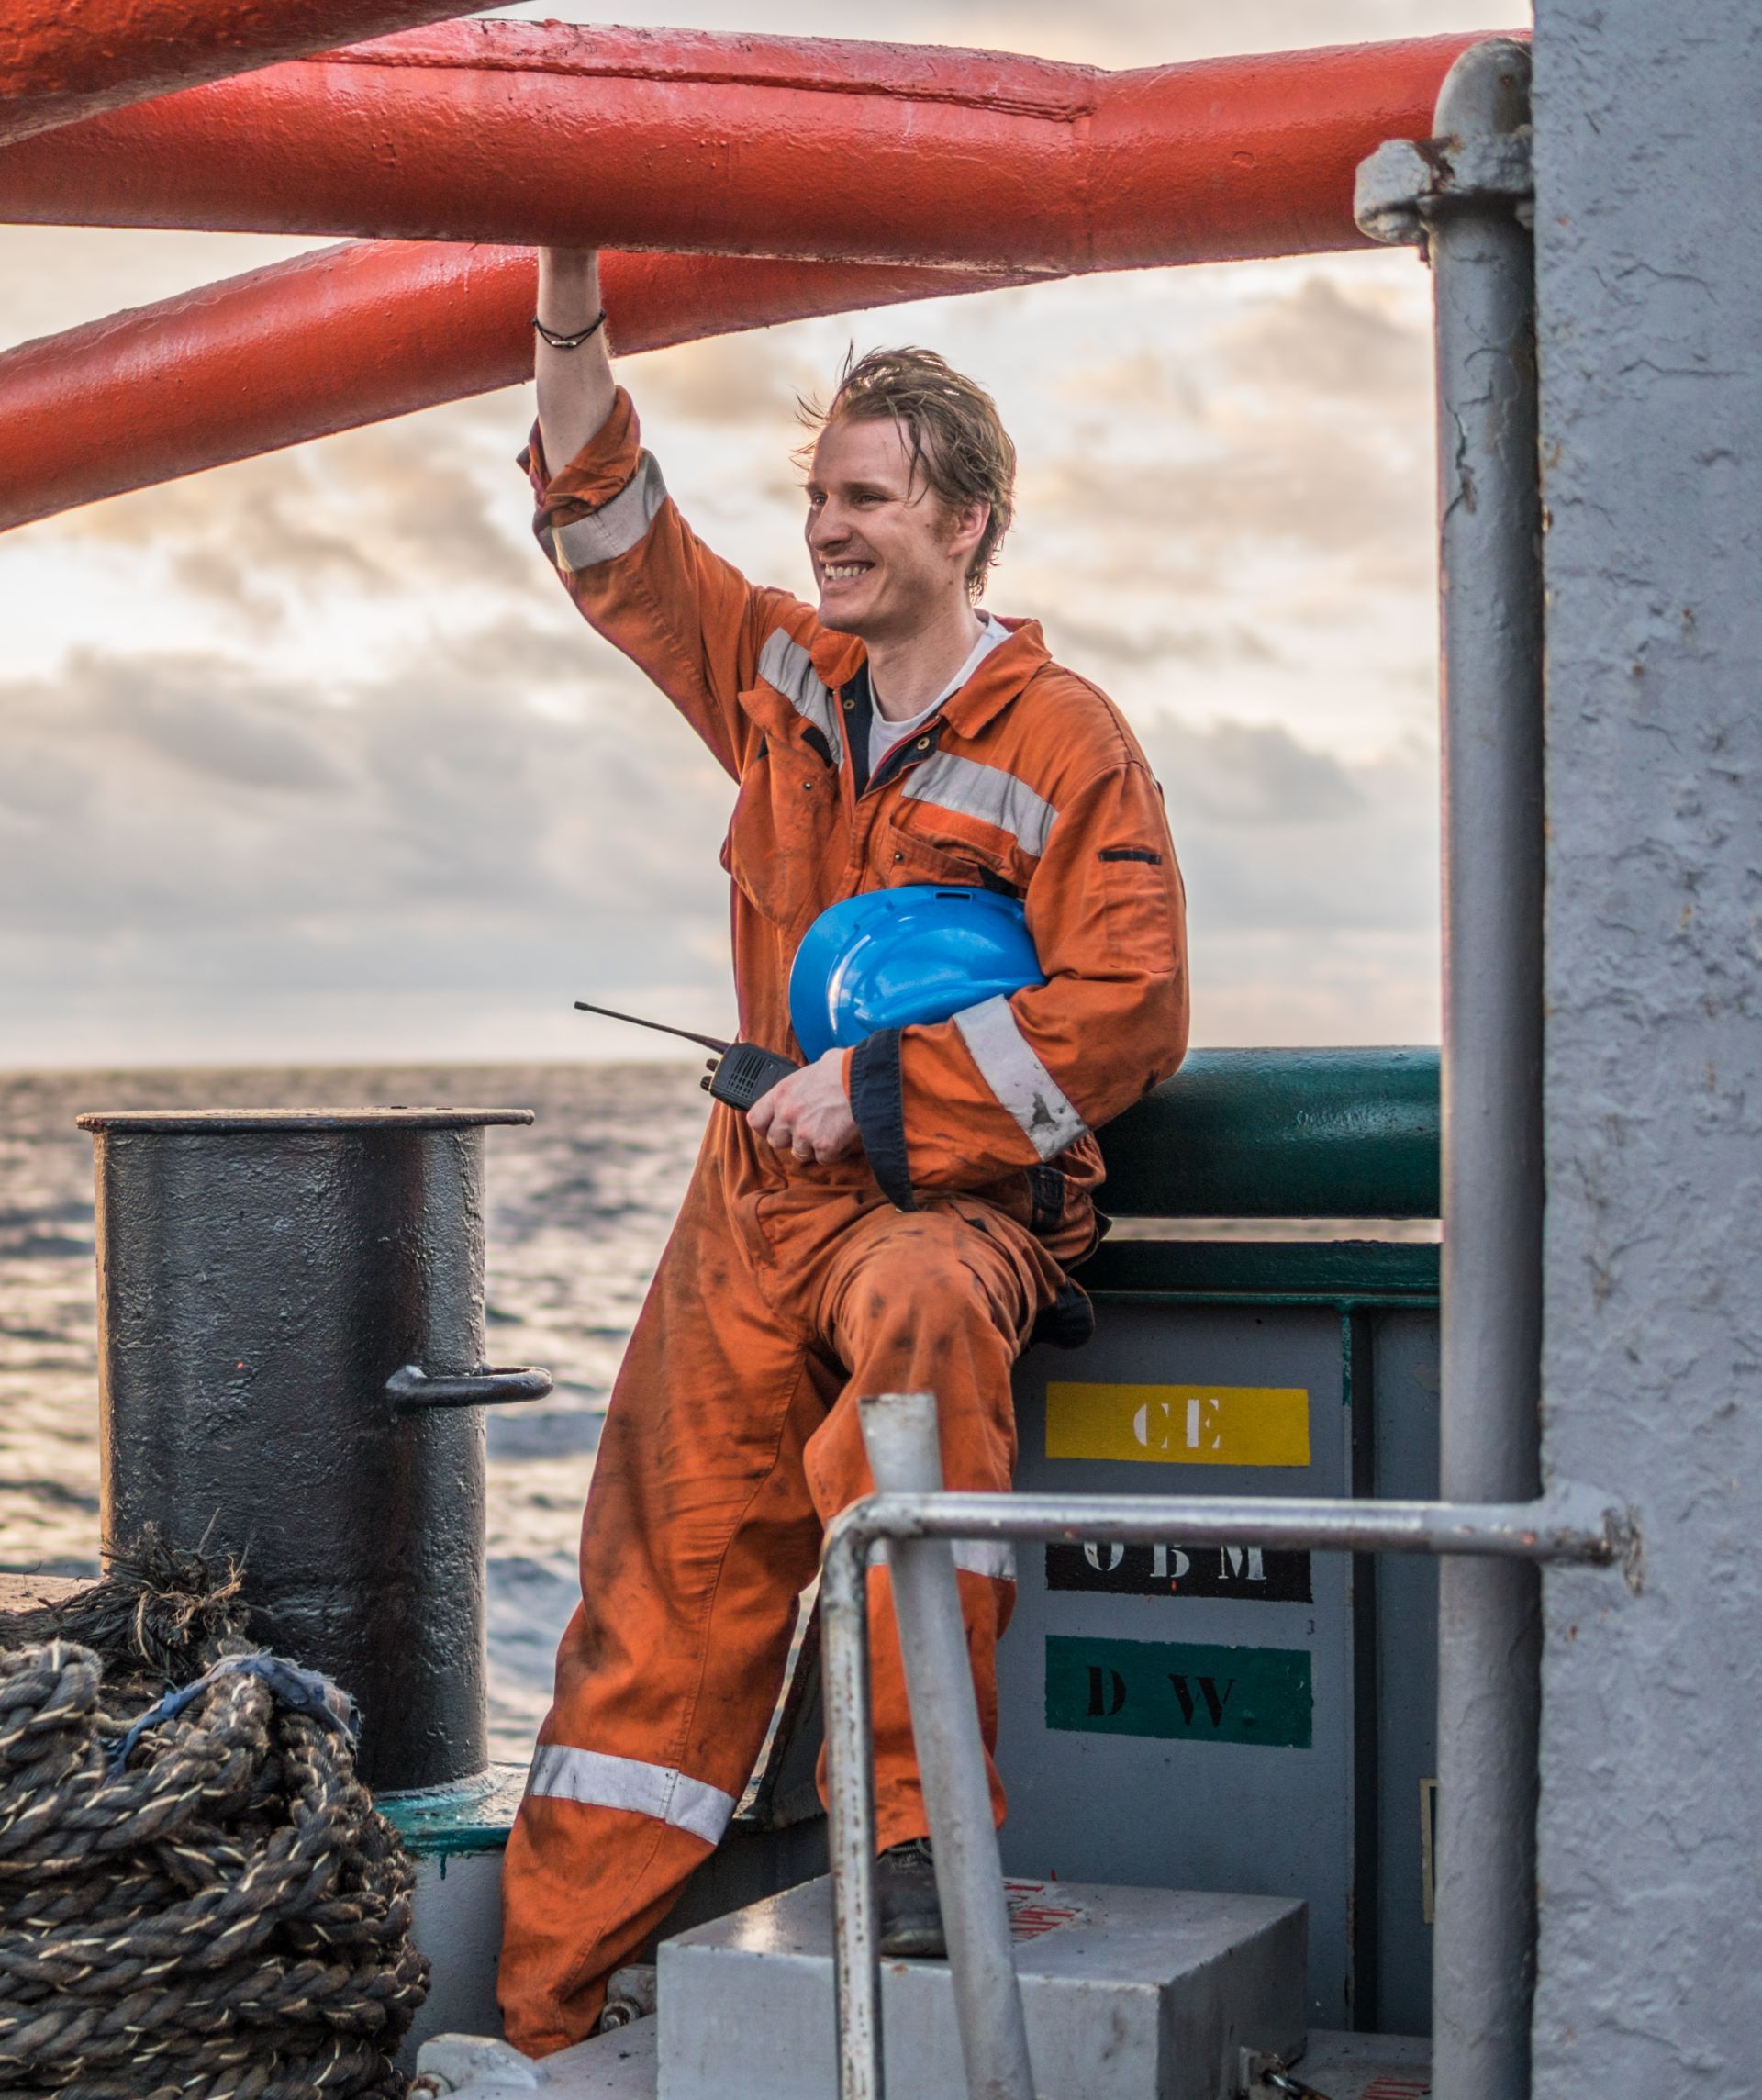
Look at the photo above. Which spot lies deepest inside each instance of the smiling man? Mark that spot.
(902, 1216)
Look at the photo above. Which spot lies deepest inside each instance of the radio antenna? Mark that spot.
(661, 1027)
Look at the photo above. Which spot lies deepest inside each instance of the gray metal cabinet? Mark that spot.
(1217, 1719)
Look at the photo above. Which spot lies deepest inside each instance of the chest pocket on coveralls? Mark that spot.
(902, 856)
(775, 845)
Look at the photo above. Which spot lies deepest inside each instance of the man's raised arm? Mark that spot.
(575, 385)
(630, 563)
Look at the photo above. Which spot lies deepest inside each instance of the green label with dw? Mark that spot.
(1180, 1690)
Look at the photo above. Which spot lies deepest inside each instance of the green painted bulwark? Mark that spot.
(1182, 1691)
(1281, 1134)
(1326, 1272)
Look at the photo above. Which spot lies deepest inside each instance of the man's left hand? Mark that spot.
(808, 1113)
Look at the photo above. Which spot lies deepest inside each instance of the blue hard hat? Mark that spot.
(891, 957)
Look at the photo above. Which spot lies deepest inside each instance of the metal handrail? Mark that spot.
(1572, 1525)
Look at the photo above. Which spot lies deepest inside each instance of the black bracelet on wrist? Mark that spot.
(570, 341)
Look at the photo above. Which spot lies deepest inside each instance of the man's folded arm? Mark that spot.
(1013, 1082)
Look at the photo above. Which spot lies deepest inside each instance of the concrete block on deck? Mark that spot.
(1129, 1994)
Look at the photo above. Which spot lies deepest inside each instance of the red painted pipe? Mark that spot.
(684, 142)
(349, 336)
(61, 61)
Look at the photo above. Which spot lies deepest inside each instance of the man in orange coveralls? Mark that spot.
(896, 1218)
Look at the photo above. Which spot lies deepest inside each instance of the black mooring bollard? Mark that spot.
(291, 1327)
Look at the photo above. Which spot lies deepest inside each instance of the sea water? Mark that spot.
(579, 1207)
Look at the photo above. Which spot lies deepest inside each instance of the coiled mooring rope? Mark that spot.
(224, 1916)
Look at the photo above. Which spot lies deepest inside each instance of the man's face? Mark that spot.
(888, 555)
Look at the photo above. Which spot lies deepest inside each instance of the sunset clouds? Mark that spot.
(307, 757)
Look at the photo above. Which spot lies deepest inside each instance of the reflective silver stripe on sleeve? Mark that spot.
(1018, 1079)
(986, 792)
(616, 526)
(598, 1781)
(992, 1557)
(787, 666)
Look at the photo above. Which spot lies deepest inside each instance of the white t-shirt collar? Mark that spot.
(885, 735)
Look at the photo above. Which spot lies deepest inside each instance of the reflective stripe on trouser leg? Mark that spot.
(597, 1780)
(995, 1559)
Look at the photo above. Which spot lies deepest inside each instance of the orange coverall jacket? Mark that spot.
(1029, 781)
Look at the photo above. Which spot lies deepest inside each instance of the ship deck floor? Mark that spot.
(622, 2066)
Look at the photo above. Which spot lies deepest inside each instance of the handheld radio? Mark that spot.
(739, 1074)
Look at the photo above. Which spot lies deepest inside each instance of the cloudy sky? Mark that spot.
(307, 758)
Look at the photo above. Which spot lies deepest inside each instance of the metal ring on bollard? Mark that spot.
(410, 1388)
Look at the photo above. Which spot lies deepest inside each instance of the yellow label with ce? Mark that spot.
(1179, 1424)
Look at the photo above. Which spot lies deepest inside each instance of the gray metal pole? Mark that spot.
(905, 1456)
(850, 1814)
(1489, 1626)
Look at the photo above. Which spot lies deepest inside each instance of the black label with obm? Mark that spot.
(1259, 1576)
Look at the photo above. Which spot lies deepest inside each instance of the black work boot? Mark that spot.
(911, 1914)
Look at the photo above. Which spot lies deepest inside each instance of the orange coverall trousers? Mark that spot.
(731, 1438)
